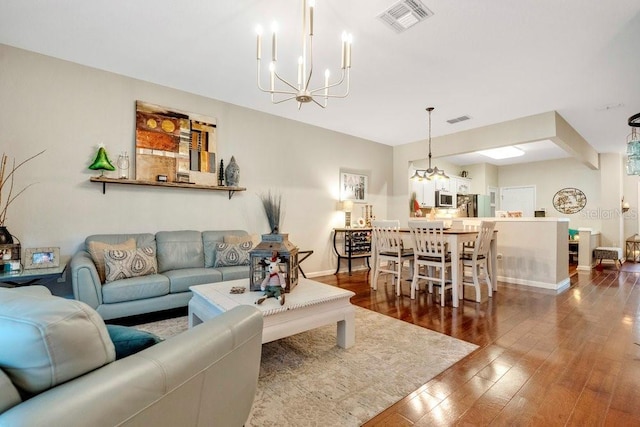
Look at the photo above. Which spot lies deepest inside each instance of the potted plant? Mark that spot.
(7, 193)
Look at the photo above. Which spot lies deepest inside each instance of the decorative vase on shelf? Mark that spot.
(123, 166)
(232, 173)
(5, 236)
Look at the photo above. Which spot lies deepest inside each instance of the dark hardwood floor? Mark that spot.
(544, 359)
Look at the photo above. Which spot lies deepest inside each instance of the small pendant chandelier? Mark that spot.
(302, 91)
(633, 146)
(431, 172)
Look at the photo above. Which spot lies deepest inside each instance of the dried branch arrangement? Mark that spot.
(272, 208)
(7, 195)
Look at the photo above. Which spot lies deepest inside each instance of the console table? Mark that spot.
(356, 243)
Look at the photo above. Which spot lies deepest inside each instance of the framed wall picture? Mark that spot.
(354, 186)
(179, 145)
(41, 258)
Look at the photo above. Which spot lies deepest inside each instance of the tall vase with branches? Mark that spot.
(272, 208)
(7, 192)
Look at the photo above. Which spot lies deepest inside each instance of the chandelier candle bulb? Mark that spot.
(349, 42)
(259, 44)
(274, 42)
(344, 50)
(272, 74)
(312, 4)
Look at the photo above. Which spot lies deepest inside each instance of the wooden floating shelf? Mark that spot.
(106, 181)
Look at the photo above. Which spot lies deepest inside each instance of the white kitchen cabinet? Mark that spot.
(429, 193)
(442, 185)
(425, 192)
(460, 185)
(416, 186)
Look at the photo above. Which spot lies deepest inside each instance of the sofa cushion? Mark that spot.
(135, 288)
(228, 254)
(209, 240)
(128, 341)
(96, 249)
(234, 272)
(122, 264)
(181, 279)
(52, 340)
(9, 395)
(179, 249)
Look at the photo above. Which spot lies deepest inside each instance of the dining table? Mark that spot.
(455, 237)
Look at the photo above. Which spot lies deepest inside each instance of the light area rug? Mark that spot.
(307, 380)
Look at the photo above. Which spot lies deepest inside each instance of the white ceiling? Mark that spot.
(491, 60)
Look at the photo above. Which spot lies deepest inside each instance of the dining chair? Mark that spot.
(431, 252)
(478, 259)
(389, 250)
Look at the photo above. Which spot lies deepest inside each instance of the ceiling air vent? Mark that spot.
(458, 119)
(405, 14)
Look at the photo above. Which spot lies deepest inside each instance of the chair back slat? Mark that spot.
(428, 238)
(386, 234)
(483, 241)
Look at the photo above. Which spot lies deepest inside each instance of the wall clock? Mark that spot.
(569, 200)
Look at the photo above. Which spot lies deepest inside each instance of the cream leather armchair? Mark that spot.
(206, 376)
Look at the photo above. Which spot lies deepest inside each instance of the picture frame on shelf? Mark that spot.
(35, 258)
(354, 186)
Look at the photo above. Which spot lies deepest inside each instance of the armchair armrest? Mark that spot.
(85, 280)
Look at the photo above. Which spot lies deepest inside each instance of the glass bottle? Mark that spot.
(123, 165)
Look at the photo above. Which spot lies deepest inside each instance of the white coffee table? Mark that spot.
(310, 305)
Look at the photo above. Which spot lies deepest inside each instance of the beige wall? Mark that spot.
(68, 109)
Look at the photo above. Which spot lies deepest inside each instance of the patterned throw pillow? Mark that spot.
(96, 250)
(228, 254)
(122, 264)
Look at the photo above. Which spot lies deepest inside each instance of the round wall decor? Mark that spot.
(569, 200)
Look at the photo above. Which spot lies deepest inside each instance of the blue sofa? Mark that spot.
(184, 258)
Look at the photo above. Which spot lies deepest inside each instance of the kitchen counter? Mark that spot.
(531, 251)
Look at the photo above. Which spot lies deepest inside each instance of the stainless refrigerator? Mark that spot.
(474, 205)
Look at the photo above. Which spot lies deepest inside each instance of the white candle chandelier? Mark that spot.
(302, 91)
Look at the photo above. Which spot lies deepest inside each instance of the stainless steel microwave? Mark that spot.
(444, 199)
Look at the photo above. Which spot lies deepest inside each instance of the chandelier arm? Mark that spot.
(274, 91)
(344, 95)
(306, 86)
(319, 104)
(258, 79)
(285, 82)
(338, 83)
(283, 100)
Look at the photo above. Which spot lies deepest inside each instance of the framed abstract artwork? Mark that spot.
(178, 145)
(354, 186)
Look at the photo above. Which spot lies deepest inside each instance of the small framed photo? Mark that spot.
(41, 258)
(354, 186)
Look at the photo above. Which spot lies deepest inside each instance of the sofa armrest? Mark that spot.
(85, 280)
(206, 376)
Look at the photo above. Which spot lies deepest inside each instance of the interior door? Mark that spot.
(518, 199)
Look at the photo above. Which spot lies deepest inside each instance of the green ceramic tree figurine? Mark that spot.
(102, 162)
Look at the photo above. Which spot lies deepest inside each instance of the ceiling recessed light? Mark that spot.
(502, 152)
